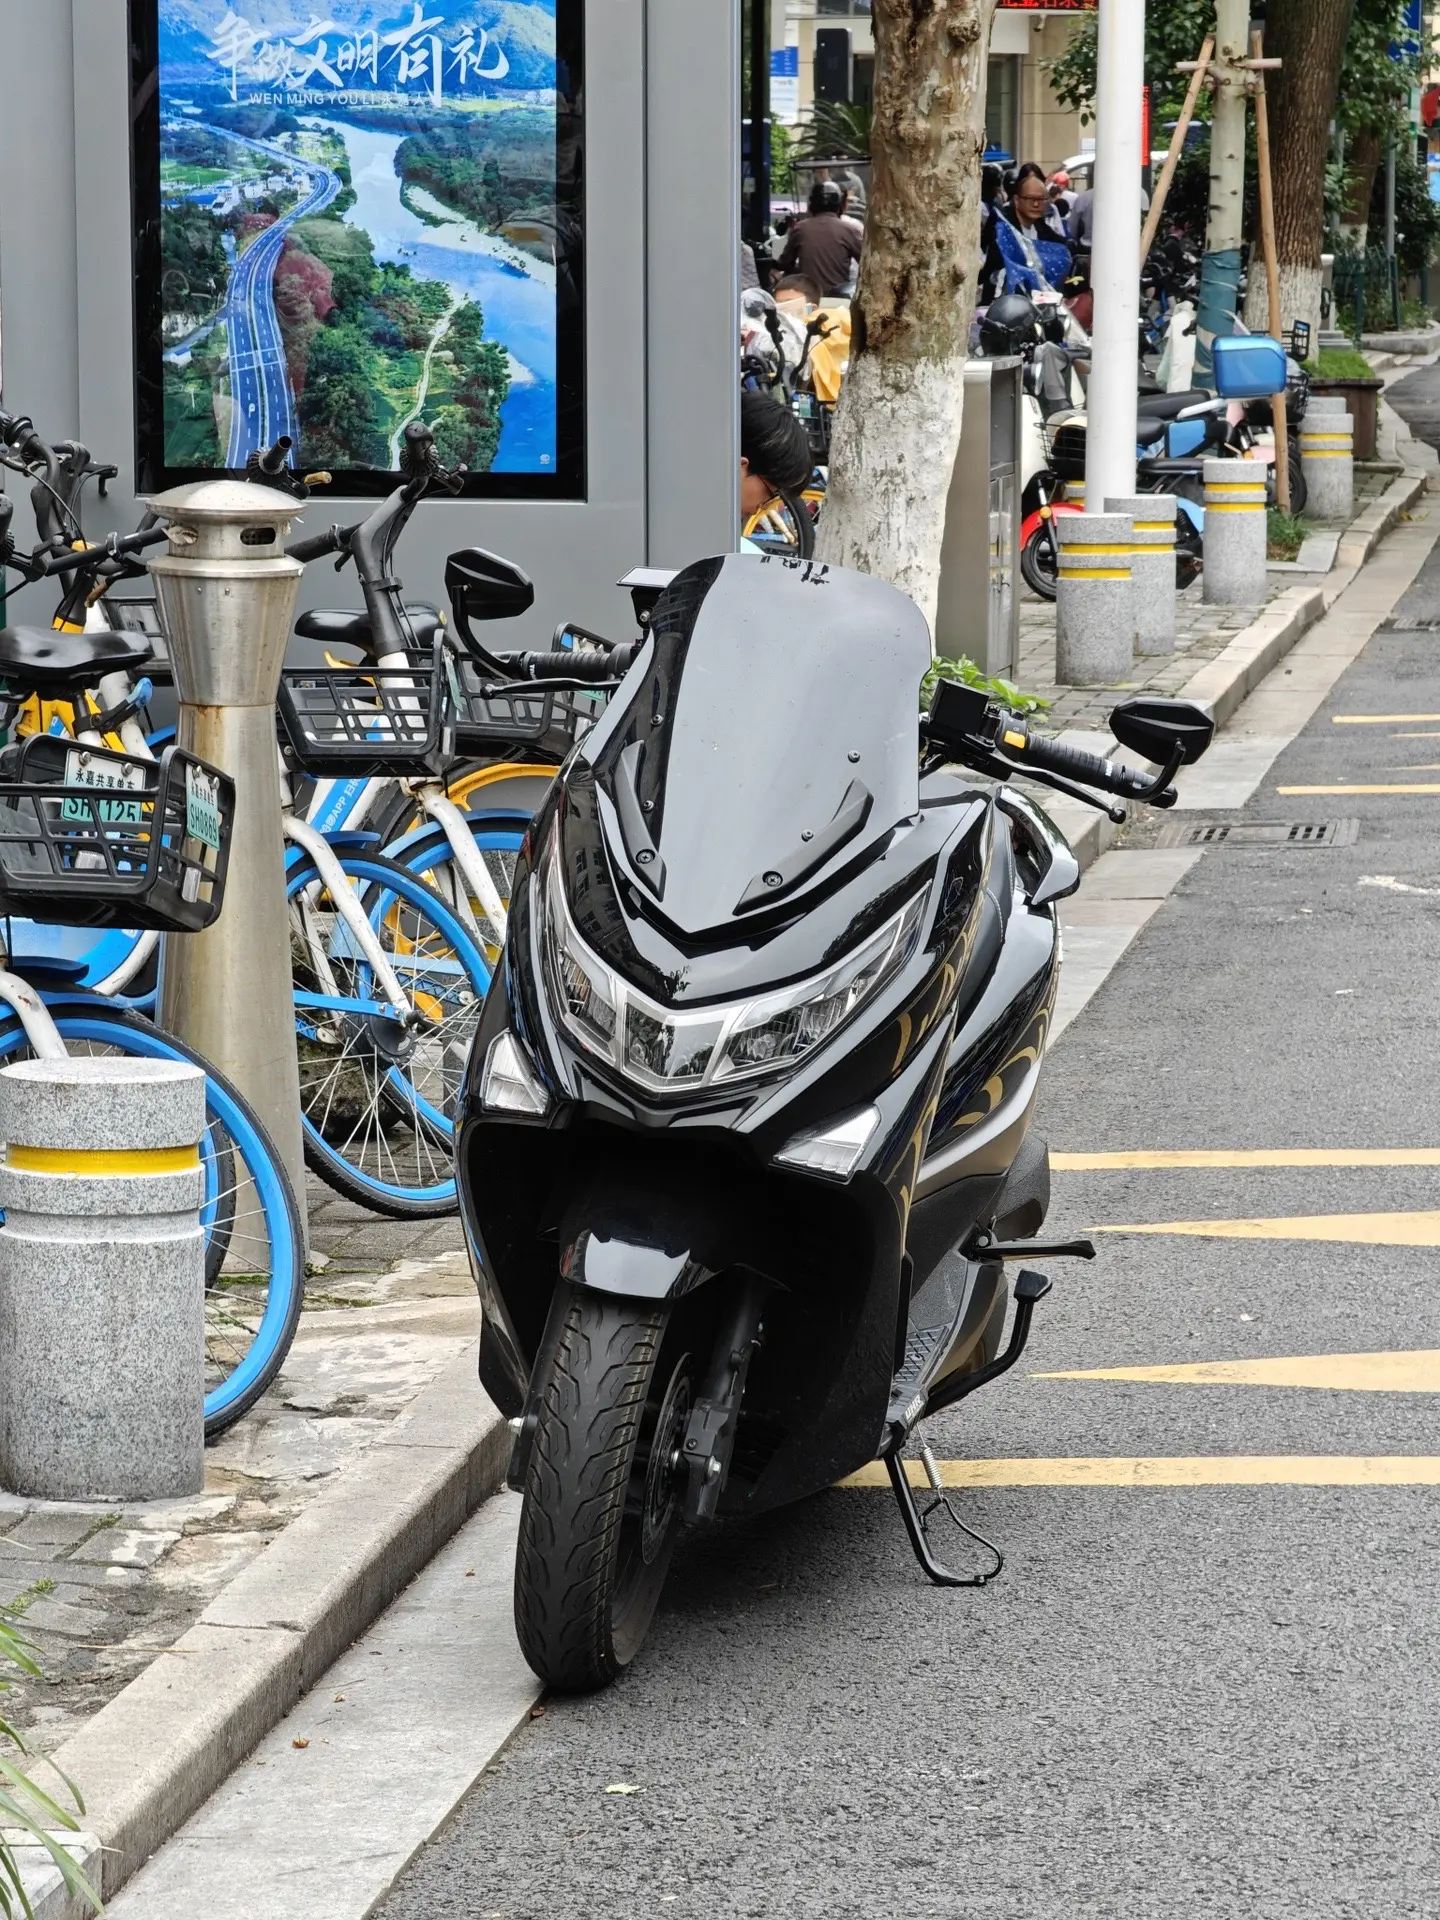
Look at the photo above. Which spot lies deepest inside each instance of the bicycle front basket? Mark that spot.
(373, 722)
(90, 838)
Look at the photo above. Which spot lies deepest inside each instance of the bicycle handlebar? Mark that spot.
(113, 549)
(336, 540)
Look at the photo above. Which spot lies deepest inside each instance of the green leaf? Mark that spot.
(969, 675)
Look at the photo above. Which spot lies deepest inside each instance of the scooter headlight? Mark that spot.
(672, 1050)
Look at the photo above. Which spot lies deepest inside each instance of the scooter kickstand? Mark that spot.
(916, 1521)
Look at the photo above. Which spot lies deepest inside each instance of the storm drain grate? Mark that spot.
(1259, 833)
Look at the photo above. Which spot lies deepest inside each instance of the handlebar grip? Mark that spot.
(275, 459)
(318, 545)
(1072, 763)
(572, 664)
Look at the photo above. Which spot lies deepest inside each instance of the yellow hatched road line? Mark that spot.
(1380, 719)
(1417, 787)
(1157, 1158)
(1345, 1229)
(1177, 1470)
(1415, 1372)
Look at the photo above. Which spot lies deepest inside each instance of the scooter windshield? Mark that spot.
(772, 740)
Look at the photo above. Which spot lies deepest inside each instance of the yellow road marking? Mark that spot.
(1357, 1229)
(1379, 719)
(1151, 1158)
(1178, 1470)
(1417, 1372)
(1415, 736)
(1426, 766)
(1429, 787)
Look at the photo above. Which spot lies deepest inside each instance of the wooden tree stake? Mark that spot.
(1177, 141)
(1272, 268)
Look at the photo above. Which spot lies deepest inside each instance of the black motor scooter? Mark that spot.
(745, 1134)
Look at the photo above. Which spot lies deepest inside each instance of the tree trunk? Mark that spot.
(1363, 156)
(898, 424)
(1308, 36)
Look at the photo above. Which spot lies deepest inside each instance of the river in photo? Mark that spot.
(519, 307)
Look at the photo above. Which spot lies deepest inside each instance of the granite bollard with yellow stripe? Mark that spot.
(102, 1280)
(1094, 613)
(1236, 532)
(1152, 568)
(1327, 458)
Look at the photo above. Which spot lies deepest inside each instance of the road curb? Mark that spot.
(1222, 684)
(163, 1745)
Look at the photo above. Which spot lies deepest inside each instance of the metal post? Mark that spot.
(226, 598)
(760, 119)
(1224, 233)
(1111, 395)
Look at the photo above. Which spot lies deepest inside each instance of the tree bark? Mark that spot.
(1362, 157)
(898, 424)
(1308, 36)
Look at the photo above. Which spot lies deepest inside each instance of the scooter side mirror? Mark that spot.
(1162, 728)
(484, 586)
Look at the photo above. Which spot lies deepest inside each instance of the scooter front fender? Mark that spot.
(610, 1262)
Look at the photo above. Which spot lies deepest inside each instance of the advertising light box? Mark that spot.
(353, 216)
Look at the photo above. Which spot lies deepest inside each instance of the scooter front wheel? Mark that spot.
(603, 1486)
(1037, 562)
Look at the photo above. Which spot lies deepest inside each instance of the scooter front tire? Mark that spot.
(612, 1390)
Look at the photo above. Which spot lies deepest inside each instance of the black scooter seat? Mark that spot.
(44, 660)
(343, 627)
(1169, 406)
(1183, 463)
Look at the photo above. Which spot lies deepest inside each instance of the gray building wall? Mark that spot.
(662, 196)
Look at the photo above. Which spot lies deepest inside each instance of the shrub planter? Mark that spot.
(1362, 398)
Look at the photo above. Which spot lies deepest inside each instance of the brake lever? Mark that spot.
(983, 761)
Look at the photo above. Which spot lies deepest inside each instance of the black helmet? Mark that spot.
(825, 197)
(1011, 325)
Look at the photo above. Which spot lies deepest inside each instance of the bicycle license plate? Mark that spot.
(202, 807)
(83, 769)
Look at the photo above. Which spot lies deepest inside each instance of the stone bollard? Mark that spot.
(1152, 568)
(1094, 612)
(1235, 533)
(1327, 458)
(102, 1280)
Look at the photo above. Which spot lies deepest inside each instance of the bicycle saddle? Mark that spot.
(44, 660)
(341, 626)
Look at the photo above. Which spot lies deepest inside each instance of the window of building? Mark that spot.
(1002, 103)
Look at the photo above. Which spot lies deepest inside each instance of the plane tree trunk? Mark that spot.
(898, 423)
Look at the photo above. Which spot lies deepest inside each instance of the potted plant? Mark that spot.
(1346, 371)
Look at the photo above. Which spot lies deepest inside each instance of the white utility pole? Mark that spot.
(1111, 397)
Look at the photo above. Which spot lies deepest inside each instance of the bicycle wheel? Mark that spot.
(254, 1255)
(783, 525)
(377, 1095)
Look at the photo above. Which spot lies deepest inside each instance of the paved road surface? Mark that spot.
(262, 407)
(1196, 1701)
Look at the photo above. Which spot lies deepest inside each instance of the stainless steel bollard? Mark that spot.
(1094, 609)
(1236, 533)
(226, 597)
(1327, 458)
(102, 1280)
(1152, 568)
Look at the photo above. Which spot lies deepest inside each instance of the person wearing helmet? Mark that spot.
(823, 246)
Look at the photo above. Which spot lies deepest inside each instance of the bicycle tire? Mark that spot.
(360, 1056)
(240, 1134)
(498, 836)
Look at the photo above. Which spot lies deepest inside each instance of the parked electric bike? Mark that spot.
(745, 1132)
